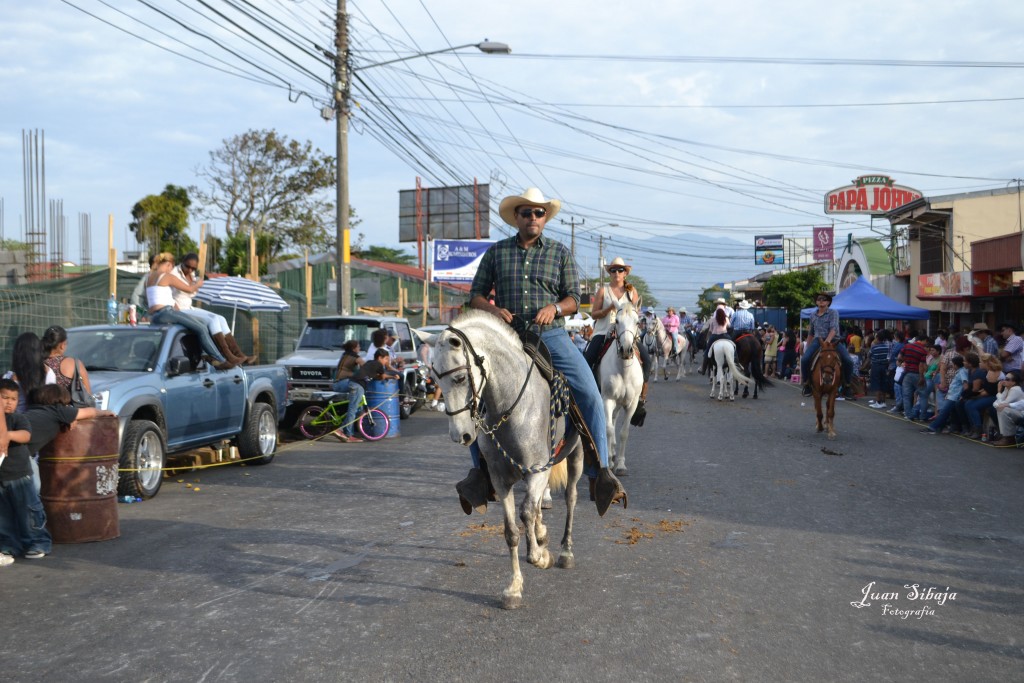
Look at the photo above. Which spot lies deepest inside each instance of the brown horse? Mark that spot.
(826, 379)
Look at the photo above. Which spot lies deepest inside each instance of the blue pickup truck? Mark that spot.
(169, 400)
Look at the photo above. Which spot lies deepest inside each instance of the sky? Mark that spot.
(673, 132)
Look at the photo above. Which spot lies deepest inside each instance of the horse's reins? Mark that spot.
(558, 404)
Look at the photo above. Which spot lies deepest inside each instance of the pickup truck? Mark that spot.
(169, 400)
(311, 366)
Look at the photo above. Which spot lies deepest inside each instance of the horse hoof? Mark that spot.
(511, 601)
(566, 561)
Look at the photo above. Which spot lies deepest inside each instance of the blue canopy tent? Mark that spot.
(862, 301)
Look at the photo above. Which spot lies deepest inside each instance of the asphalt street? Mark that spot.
(753, 549)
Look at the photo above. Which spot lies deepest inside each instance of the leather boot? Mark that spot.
(474, 491)
(220, 364)
(237, 350)
(225, 350)
(606, 490)
(704, 368)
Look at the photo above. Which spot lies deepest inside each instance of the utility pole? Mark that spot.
(600, 257)
(342, 92)
(572, 223)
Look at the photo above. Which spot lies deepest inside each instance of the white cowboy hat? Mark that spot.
(619, 262)
(744, 304)
(720, 300)
(682, 309)
(533, 197)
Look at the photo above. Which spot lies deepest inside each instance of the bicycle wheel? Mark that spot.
(315, 421)
(374, 424)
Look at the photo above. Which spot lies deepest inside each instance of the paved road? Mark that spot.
(747, 539)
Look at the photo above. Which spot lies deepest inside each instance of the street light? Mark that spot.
(342, 96)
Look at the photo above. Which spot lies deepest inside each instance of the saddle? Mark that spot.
(608, 487)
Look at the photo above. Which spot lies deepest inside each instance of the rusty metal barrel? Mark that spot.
(78, 473)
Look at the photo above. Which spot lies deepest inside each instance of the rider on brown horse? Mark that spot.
(825, 327)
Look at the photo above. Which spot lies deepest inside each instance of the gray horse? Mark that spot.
(495, 395)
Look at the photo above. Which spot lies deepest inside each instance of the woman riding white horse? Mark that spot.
(611, 298)
(718, 328)
(621, 381)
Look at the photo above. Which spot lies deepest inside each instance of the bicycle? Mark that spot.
(317, 421)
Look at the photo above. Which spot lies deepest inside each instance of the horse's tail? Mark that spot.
(737, 374)
(558, 478)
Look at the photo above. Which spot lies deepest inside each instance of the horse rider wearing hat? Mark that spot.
(685, 321)
(718, 328)
(825, 327)
(612, 297)
(535, 286)
(742, 320)
(671, 323)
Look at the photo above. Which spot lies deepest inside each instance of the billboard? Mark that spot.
(457, 260)
(824, 244)
(446, 213)
(873, 194)
(768, 250)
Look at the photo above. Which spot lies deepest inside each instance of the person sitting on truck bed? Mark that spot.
(159, 283)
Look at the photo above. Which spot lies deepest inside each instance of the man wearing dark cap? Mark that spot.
(1013, 347)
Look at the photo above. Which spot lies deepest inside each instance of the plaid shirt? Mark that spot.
(824, 323)
(526, 280)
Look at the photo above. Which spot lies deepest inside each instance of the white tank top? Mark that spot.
(601, 325)
(159, 295)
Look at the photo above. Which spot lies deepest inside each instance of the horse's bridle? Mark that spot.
(476, 393)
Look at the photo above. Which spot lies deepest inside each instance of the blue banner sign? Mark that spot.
(457, 260)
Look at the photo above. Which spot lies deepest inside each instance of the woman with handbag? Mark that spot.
(70, 373)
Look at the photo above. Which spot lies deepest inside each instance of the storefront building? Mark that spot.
(964, 256)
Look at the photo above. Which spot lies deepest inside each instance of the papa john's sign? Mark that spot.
(874, 194)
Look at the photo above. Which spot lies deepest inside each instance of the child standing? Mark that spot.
(22, 518)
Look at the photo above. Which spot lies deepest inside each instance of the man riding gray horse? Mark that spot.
(535, 286)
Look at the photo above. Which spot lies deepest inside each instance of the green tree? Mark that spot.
(262, 181)
(386, 254)
(793, 291)
(706, 300)
(647, 298)
(160, 221)
(235, 257)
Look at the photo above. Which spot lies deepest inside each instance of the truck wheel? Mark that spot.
(258, 439)
(142, 460)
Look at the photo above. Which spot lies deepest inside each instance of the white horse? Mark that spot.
(662, 352)
(496, 396)
(621, 381)
(723, 357)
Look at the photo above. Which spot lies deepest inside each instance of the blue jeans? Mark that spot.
(22, 518)
(355, 397)
(947, 410)
(909, 382)
(571, 363)
(167, 315)
(976, 407)
(921, 409)
(812, 348)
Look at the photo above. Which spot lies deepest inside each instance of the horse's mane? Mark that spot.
(499, 329)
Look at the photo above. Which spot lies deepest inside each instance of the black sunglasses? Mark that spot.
(535, 213)
(616, 269)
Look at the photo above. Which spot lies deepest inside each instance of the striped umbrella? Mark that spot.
(238, 292)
